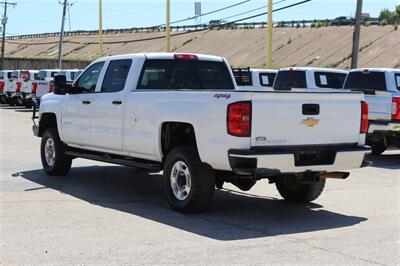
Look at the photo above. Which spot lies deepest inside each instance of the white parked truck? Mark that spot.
(13, 88)
(254, 79)
(314, 78)
(182, 113)
(5, 76)
(381, 87)
(46, 77)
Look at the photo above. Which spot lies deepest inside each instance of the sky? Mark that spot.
(39, 16)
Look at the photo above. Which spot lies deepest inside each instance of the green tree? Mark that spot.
(398, 10)
(386, 14)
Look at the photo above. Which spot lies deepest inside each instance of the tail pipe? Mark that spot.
(336, 175)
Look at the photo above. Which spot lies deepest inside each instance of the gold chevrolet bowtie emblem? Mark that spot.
(310, 122)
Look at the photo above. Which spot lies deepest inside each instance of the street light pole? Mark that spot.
(269, 37)
(168, 28)
(60, 46)
(4, 23)
(356, 37)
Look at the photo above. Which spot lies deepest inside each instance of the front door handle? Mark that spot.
(117, 102)
(85, 102)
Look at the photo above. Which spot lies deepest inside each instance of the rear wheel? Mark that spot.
(52, 150)
(378, 148)
(189, 183)
(291, 189)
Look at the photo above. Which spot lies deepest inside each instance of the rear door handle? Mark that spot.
(85, 102)
(117, 102)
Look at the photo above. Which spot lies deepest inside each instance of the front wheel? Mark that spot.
(189, 183)
(52, 149)
(291, 189)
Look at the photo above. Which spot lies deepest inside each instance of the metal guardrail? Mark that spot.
(245, 25)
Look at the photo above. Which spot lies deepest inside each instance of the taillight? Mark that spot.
(1, 85)
(186, 57)
(239, 119)
(34, 87)
(19, 85)
(364, 118)
(396, 108)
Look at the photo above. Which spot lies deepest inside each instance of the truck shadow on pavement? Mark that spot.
(387, 161)
(232, 215)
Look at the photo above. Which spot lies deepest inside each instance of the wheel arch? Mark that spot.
(47, 120)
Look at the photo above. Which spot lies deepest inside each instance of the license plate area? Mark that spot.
(315, 156)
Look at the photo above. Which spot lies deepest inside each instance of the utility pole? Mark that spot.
(101, 50)
(4, 23)
(269, 37)
(168, 28)
(356, 36)
(60, 47)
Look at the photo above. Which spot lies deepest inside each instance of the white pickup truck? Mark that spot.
(181, 113)
(5, 76)
(13, 88)
(381, 87)
(314, 78)
(254, 79)
(45, 81)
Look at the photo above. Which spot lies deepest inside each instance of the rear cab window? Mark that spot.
(159, 74)
(366, 81)
(267, 79)
(15, 74)
(329, 80)
(397, 78)
(289, 79)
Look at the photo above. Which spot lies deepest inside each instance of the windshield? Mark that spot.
(289, 79)
(329, 80)
(42, 75)
(366, 81)
(185, 75)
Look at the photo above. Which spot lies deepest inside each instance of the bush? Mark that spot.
(383, 22)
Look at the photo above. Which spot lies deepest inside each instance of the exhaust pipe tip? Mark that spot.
(336, 175)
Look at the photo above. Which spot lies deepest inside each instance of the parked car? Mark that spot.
(13, 87)
(309, 78)
(342, 21)
(182, 113)
(46, 77)
(5, 76)
(25, 89)
(381, 87)
(254, 79)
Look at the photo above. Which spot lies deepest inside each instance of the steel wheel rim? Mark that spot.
(50, 152)
(180, 180)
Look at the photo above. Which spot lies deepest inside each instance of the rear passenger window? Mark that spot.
(329, 80)
(397, 77)
(116, 75)
(267, 79)
(289, 79)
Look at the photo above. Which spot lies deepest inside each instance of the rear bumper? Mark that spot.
(272, 163)
(383, 126)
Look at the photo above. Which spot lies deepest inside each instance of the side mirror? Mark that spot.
(74, 90)
(60, 84)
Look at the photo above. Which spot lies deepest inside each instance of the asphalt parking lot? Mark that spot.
(105, 214)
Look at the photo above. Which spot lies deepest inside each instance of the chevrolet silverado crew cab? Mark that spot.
(254, 79)
(309, 78)
(381, 87)
(181, 113)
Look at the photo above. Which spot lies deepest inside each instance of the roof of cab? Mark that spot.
(314, 69)
(263, 70)
(376, 69)
(167, 56)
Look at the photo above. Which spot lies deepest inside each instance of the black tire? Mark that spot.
(292, 190)
(378, 148)
(12, 102)
(202, 180)
(62, 163)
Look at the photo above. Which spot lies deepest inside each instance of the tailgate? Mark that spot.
(380, 105)
(26, 87)
(281, 119)
(43, 87)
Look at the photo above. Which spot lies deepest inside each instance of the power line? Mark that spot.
(250, 11)
(205, 14)
(173, 35)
